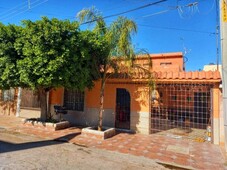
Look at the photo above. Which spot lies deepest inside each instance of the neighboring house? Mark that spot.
(213, 67)
(8, 101)
(183, 104)
(30, 104)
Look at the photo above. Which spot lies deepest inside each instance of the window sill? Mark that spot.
(75, 111)
(30, 108)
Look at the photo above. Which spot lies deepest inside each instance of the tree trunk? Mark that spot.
(18, 101)
(43, 103)
(101, 103)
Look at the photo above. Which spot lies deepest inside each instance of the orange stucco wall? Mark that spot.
(92, 96)
(163, 62)
(170, 64)
(139, 96)
(56, 96)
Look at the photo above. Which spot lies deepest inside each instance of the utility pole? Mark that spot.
(223, 28)
(217, 34)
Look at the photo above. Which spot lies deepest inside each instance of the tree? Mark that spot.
(52, 53)
(118, 36)
(9, 75)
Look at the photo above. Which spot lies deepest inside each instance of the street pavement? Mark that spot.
(25, 152)
(162, 149)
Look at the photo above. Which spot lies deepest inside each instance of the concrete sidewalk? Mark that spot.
(163, 149)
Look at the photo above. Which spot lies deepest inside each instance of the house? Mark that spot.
(213, 67)
(182, 104)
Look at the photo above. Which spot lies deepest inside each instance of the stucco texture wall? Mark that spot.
(139, 104)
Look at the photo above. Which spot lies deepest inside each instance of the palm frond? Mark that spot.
(119, 35)
(91, 16)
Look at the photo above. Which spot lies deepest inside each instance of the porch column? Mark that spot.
(215, 114)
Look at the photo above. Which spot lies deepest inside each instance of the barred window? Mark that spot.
(74, 100)
(29, 98)
(8, 95)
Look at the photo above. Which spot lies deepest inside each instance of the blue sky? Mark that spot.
(161, 28)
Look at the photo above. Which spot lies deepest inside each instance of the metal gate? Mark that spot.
(181, 110)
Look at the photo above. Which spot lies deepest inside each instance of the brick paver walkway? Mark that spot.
(163, 149)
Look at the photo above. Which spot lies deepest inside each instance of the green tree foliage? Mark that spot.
(119, 43)
(9, 75)
(54, 53)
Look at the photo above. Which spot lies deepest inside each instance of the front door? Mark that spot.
(122, 109)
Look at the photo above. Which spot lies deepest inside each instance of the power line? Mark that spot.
(157, 13)
(212, 7)
(121, 5)
(18, 13)
(7, 11)
(46, 13)
(14, 10)
(171, 28)
(53, 14)
(178, 29)
(131, 10)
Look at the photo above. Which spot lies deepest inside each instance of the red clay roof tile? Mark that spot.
(189, 75)
(202, 75)
(195, 75)
(173, 76)
(169, 75)
(182, 75)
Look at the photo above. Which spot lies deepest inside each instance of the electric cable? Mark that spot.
(128, 11)
(206, 13)
(10, 9)
(15, 13)
(177, 29)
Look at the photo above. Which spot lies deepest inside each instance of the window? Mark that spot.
(165, 63)
(29, 98)
(8, 95)
(74, 100)
(147, 65)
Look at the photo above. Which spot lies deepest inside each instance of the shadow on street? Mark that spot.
(9, 146)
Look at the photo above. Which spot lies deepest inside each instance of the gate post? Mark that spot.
(215, 114)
